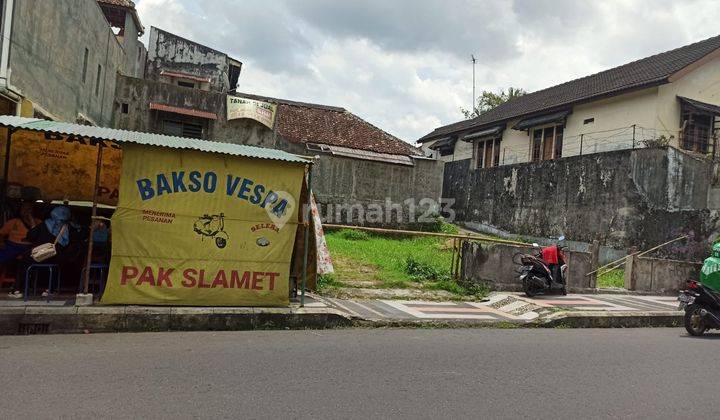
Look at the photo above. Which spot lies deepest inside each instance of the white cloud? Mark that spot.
(405, 65)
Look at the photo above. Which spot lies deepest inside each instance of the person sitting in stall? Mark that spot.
(48, 232)
(14, 232)
(101, 242)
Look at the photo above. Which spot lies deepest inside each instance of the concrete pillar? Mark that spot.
(594, 263)
(83, 299)
(630, 275)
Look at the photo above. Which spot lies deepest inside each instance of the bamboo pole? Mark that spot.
(618, 262)
(419, 233)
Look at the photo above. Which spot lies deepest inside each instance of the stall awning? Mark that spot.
(121, 136)
(700, 107)
(537, 120)
(184, 111)
(488, 132)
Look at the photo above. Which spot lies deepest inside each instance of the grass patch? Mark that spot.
(613, 278)
(394, 262)
(326, 282)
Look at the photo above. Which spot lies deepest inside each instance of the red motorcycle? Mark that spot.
(544, 272)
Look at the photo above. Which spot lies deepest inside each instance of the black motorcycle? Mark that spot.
(702, 308)
(544, 272)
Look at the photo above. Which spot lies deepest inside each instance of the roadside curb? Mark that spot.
(101, 319)
(588, 319)
(576, 319)
(97, 319)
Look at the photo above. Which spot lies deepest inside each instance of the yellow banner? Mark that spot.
(60, 166)
(195, 228)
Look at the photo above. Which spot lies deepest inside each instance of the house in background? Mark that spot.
(624, 156)
(674, 95)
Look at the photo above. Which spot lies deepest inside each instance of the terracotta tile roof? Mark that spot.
(646, 72)
(301, 122)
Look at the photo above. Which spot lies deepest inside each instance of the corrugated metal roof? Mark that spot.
(125, 136)
(361, 154)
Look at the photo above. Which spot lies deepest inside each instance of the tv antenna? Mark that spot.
(472, 107)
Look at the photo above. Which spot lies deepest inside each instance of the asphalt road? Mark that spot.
(363, 373)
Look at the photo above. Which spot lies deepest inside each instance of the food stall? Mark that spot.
(196, 222)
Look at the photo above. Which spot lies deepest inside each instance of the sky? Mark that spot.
(404, 65)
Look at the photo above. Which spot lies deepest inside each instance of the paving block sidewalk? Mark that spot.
(516, 308)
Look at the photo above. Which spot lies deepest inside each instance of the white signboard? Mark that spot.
(262, 112)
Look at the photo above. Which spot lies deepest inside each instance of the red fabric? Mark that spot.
(550, 254)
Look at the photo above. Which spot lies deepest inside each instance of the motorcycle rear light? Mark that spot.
(692, 284)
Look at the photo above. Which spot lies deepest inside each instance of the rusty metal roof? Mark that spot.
(150, 139)
(183, 111)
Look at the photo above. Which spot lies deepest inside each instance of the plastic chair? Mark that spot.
(51, 271)
(97, 267)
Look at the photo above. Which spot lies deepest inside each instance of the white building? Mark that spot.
(672, 96)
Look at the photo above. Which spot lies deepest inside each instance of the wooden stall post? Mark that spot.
(308, 215)
(86, 277)
(6, 173)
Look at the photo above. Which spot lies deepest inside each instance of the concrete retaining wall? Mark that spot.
(640, 198)
(493, 264)
(659, 276)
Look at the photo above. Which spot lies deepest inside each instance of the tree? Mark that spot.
(489, 100)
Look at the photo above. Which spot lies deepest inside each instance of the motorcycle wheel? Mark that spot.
(693, 321)
(529, 291)
(220, 242)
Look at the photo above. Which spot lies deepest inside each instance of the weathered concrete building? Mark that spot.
(60, 58)
(625, 156)
(175, 60)
(185, 92)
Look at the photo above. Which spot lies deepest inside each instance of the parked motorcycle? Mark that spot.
(702, 308)
(701, 300)
(544, 272)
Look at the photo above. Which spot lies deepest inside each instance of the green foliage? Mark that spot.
(489, 100)
(661, 141)
(439, 225)
(422, 271)
(383, 257)
(613, 278)
(396, 262)
(354, 235)
(476, 289)
(327, 281)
